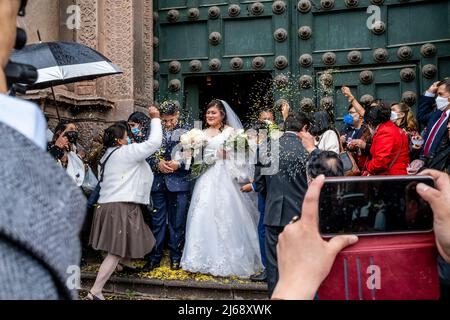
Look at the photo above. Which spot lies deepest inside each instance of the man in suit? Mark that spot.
(170, 191)
(285, 189)
(266, 117)
(436, 121)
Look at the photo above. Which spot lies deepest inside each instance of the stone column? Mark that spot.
(125, 39)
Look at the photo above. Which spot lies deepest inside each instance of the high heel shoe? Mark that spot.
(92, 297)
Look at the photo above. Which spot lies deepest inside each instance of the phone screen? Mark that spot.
(374, 205)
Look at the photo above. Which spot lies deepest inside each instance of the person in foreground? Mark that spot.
(305, 259)
(118, 226)
(39, 240)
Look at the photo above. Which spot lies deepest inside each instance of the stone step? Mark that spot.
(152, 289)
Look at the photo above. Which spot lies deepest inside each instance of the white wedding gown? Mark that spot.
(221, 230)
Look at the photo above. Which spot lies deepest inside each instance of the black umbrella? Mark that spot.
(60, 63)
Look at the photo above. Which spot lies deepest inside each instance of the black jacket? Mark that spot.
(285, 188)
(440, 158)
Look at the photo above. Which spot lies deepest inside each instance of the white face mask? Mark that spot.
(394, 116)
(441, 103)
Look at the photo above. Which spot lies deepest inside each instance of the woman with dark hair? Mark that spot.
(64, 140)
(325, 134)
(118, 226)
(222, 224)
(355, 134)
(139, 125)
(66, 151)
(216, 117)
(389, 152)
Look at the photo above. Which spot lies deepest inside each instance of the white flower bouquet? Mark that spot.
(238, 142)
(193, 143)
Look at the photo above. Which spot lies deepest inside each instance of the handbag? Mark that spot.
(90, 181)
(95, 195)
(349, 164)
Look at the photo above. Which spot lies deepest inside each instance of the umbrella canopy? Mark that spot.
(64, 62)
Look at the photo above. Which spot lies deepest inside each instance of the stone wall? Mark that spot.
(123, 32)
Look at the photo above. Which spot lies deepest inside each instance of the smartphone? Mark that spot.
(374, 206)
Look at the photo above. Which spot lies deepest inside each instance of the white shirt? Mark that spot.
(25, 117)
(329, 141)
(127, 176)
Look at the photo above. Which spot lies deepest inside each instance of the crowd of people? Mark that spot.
(235, 219)
(214, 224)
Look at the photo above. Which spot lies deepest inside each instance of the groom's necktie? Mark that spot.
(167, 135)
(433, 133)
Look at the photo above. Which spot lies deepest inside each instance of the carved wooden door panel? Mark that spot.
(390, 49)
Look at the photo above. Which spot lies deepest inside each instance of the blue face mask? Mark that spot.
(135, 131)
(348, 120)
(129, 140)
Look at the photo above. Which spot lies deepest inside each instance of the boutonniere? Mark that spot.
(160, 153)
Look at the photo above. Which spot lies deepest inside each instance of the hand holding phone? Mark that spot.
(374, 205)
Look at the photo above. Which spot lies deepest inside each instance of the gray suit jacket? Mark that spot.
(286, 189)
(41, 215)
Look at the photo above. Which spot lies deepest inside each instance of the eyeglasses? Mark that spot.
(169, 121)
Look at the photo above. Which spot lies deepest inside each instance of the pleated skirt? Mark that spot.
(119, 229)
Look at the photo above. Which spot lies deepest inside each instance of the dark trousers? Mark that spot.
(272, 234)
(262, 228)
(170, 208)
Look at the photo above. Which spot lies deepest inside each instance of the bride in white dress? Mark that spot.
(221, 229)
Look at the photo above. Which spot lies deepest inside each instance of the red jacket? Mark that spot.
(389, 144)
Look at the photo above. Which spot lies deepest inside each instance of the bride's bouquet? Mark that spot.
(238, 142)
(241, 150)
(193, 143)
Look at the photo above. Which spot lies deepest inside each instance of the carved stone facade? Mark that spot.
(120, 30)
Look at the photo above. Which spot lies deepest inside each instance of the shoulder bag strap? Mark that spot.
(102, 165)
(398, 154)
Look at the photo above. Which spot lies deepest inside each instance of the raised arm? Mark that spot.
(141, 151)
(426, 103)
(351, 99)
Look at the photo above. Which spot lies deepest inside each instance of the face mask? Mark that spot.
(394, 116)
(72, 136)
(441, 103)
(372, 130)
(135, 131)
(129, 140)
(348, 120)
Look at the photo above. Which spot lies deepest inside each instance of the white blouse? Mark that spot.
(329, 141)
(127, 176)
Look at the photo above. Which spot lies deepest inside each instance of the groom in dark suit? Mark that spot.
(285, 188)
(170, 192)
(436, 121)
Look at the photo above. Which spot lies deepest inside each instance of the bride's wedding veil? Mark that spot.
(232, 118)
(247, 167)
